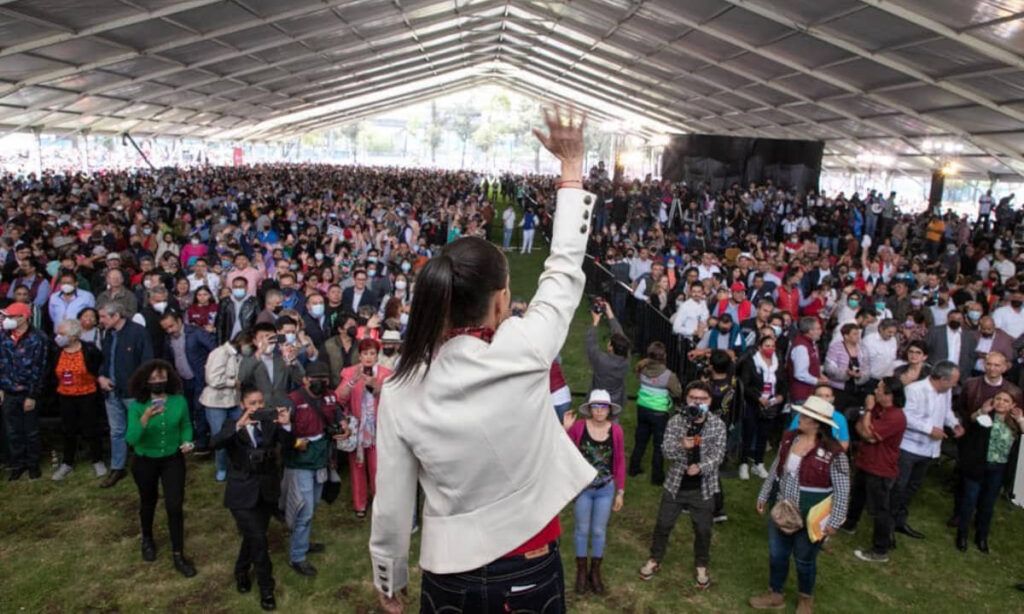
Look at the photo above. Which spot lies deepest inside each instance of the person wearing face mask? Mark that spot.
(342, 349)
(764, 391)
(274, 368)
(695, 445)
(316, 321)
(69, 300)
(1010, 317)
(23, 360)
(990, 339)
(391, 342)
(237, 313)
(659, 387)
(951, 342)
(943, 305)
(219, 398)
(316, 411)
(158, 302)
(600, 440)
(160, 433)
(78, 398)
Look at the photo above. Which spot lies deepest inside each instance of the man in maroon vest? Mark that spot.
(804, 364)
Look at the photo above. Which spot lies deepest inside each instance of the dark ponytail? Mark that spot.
(453, 290)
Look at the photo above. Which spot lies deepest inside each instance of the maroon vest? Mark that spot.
(816, 468)
(799, 391)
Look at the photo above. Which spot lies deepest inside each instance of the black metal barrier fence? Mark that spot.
(641, 321)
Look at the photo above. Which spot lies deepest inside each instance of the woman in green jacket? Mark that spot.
(160, 432)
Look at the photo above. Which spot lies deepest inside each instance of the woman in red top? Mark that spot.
(203, 310)
(359, 396)
(78, 397)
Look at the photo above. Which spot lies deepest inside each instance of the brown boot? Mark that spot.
(581, 575)
(596, 583)
(768, 601)
(804, 604)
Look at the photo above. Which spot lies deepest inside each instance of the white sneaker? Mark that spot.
(760, 471)
(744, 471)
(62, 472)
(100, 469)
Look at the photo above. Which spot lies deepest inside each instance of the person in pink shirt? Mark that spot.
(252, 275)
(192, 251)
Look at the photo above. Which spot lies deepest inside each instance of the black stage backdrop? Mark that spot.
(721, 161)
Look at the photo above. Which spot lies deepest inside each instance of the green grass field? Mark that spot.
(71, 547)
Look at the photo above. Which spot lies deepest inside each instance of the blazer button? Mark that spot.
(587, 199)
(586, 215)
(583, 229)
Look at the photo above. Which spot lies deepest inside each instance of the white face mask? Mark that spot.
(67, 288)
(160, 307)
(10, 323)
(400, 285)
(403, 318)
(289, 337)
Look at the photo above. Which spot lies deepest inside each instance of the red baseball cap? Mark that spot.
(15, 310)
(737, 286)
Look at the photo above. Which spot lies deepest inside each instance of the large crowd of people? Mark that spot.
(255, 315)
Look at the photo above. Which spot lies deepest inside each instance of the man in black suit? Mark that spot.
(358, 295)
(254, 485)
(942, 340)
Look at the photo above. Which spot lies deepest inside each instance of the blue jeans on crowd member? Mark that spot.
(512, 584)
(804, 553)
(593, 508)
(561, 409)
(981, 494)
(310, 490)
(24, 444)
(506, 239)
(870, 225)
(200, 429)
(117, 419)
(215, 418)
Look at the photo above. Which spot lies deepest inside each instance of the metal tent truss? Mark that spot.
(899, 81)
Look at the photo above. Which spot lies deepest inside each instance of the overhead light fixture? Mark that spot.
(951, 168)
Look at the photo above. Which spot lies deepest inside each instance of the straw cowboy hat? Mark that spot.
(819, 409)
(599, 397)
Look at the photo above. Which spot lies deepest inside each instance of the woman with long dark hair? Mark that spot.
(468, 415)
(160, 432)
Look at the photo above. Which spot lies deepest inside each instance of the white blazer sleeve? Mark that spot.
(394, 503)
(545, 324)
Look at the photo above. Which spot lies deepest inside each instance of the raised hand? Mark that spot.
(564, 139)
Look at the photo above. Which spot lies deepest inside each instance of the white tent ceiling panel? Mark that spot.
(856, 73)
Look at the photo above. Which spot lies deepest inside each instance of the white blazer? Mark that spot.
(480, 434)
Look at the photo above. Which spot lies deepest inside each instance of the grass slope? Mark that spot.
(71, 547)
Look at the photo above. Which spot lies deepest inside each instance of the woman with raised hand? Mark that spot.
(468, 416)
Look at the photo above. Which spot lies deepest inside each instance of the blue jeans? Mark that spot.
(216, 417)
(514, 584)
(200, 430)
(117, 419)
(305, 480)
(804, 552)
(593, 508)
(981, 494)
(506, 239)
(870, 225)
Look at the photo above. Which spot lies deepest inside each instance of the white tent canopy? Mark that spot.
(904, 81)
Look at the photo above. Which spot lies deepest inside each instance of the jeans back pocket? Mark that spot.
(436, 598)
(543, 598)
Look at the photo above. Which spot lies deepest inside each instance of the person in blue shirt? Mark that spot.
(529, 225)
(841, 431)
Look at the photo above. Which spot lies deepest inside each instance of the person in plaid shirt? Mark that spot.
(695, 445)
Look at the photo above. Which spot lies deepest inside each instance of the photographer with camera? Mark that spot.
(315, 424)
(609, 367)
(253, 485)
(695, 445)
(359, 395)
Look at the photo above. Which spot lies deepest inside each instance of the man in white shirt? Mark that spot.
(985, 209)
(639, 266)
(881, 350)
(691, 313)
(201, 276)
(707, 267)
(1004, 266)
(1010, 318)
(929, 410)
(508, 221)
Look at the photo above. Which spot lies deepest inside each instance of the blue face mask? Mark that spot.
(238, 293)
(316, 310)
(974, 315)
(853, 304)
(406, 267)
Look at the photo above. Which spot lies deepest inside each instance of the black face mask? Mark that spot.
(954, 324)
(157, 387)
(389, 351)
(318, 387)
(351, 332)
